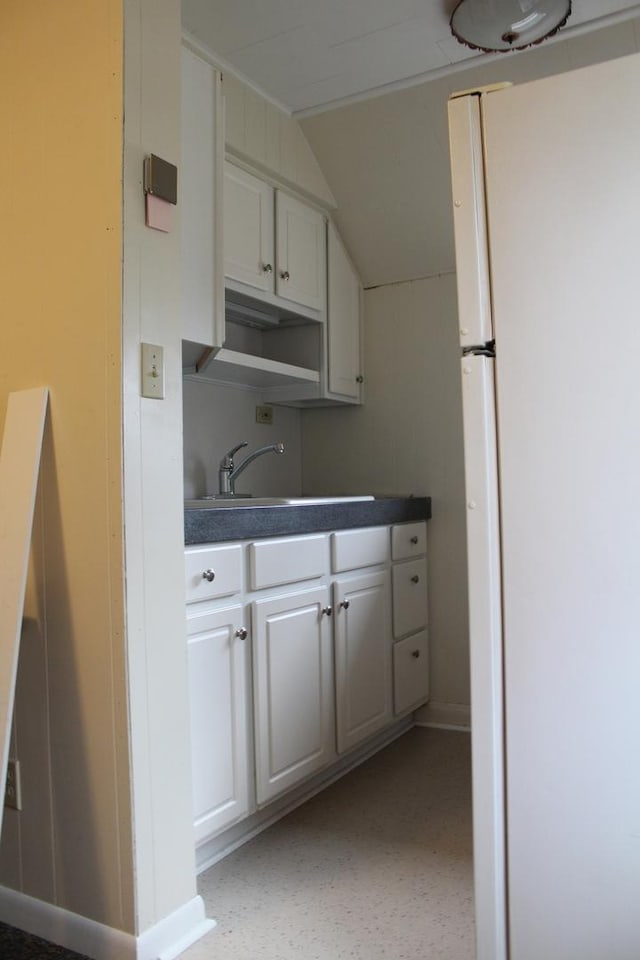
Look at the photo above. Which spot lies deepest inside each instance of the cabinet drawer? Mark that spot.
(212, 572)
(351, 549)
(408, 540)
(273, 562)
(410, 672)
(409, 581)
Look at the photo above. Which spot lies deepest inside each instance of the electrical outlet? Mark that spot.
(264, 414)
(12, 789)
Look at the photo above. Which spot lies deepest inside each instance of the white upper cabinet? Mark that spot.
(274, 244)
(270, 298)
(344, 306)
(249, 255)
(300, 246)
(200, 206)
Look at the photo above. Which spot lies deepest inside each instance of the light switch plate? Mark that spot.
(152, 379)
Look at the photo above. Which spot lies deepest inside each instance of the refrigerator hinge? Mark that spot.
(487, 349)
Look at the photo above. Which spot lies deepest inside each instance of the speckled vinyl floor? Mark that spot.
(377, 867)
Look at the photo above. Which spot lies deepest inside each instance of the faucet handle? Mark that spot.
(230, 455)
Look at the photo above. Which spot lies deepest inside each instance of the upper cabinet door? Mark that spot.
(248, 229)
(202, 147)
(343, 314)
(301, 249)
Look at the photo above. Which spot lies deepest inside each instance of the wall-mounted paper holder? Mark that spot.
(161, 192)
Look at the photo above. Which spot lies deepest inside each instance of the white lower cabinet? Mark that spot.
(299, 648)
(410, 672)
(410, 616)
(218, 659)
(362, 634)
(293, 689)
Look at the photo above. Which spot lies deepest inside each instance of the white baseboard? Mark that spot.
(164, 941)
(447, 716)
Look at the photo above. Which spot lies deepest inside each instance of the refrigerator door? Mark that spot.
(483, 547)
(467, 181)
(483, 534)
(563, 202)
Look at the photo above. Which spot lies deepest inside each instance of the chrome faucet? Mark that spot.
(228, 472)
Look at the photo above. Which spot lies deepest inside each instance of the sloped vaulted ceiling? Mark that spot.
(387, 162)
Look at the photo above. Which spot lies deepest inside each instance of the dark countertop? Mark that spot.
(212, 525)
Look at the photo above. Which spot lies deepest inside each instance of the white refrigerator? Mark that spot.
(546, 195)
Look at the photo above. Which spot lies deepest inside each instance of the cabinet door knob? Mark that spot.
(359, 378)
(267, 268)
(414, 540)
(345, 604)
(209, 575)
(284, 274)
(415, 654)
(415, 578)
(241, 633)
(327, 611)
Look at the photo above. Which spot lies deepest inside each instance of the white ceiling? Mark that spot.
(386, 157)
(309, 55)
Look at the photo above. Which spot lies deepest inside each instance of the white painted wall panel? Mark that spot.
(407, 438)
(157, 667)
(260, 133)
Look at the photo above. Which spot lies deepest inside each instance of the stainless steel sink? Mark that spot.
(209, 502)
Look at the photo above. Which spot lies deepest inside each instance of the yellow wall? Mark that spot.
(60, 281)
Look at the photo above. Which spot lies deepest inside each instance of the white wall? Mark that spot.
(272, 141)
(216, 418)
(154, 525)
(387, 159)
(407, 438)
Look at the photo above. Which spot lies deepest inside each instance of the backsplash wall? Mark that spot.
(217, 417)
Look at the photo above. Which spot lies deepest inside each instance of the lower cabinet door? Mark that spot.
(218, 658)
(411, 672)
(363, 656)
(293, 689)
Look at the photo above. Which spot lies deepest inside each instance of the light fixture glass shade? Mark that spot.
(503, 25)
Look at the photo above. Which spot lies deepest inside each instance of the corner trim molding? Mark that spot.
(164, 941)
(448, 716)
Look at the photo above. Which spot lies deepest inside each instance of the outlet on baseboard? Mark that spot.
(12, 789)
(264, 414)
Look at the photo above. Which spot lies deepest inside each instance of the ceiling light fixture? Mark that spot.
(503, 25)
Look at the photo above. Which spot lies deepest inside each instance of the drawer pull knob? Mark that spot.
(326, 611)
(414, 540)
(415, 654)
(267, 268)
(242, 633)
(345, 604)
(209, 575)
(415, 578)
(284, 274)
